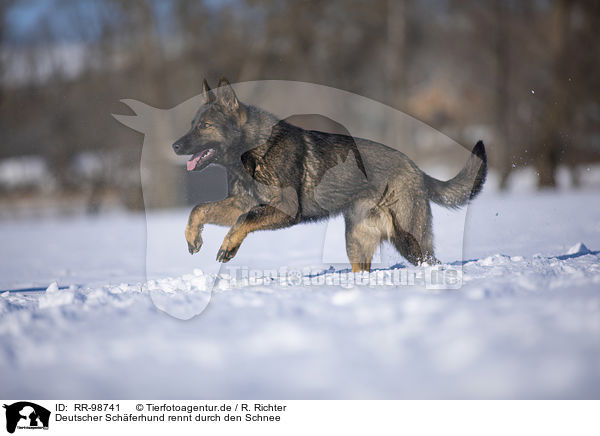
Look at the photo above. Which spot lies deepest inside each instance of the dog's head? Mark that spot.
(215, 128)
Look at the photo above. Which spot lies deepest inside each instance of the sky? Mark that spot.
(24, 18)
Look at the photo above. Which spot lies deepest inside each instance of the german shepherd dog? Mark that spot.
(280, 175)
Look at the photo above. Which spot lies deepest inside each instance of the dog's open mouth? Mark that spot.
(201, 159)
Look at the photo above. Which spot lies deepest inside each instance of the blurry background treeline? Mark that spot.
(522, 75)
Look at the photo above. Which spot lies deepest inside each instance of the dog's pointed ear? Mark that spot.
(226, 95)
(209, 97)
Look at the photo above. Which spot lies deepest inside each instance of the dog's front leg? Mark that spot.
(224, 213)
(262, 217)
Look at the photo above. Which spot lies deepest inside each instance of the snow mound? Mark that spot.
(496, 259)
(578, 248)
(56, 297)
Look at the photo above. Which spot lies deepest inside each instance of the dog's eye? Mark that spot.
(204, 125)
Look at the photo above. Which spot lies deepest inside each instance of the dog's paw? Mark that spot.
(227, 252)
(194, 241)
(195, 246)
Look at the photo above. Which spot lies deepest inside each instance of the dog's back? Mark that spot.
(382, 194)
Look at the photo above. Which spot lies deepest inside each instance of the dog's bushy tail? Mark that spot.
(465, 186)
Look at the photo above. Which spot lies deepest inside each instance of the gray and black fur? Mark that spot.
(280, 175)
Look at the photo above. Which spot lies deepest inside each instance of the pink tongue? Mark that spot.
(191, 164)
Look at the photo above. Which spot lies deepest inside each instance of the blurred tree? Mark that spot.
(555, 112)
(502, 89)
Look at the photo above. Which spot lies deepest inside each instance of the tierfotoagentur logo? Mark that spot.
(25, 415)
(430, 277)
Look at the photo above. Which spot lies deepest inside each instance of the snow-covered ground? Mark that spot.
(525, 323)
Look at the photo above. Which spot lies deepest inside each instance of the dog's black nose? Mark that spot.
(177, 147)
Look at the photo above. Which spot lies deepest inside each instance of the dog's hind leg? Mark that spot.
(412, 235)
(408, 246)
(363, 236)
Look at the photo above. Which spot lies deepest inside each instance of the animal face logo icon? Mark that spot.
(26, 415)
